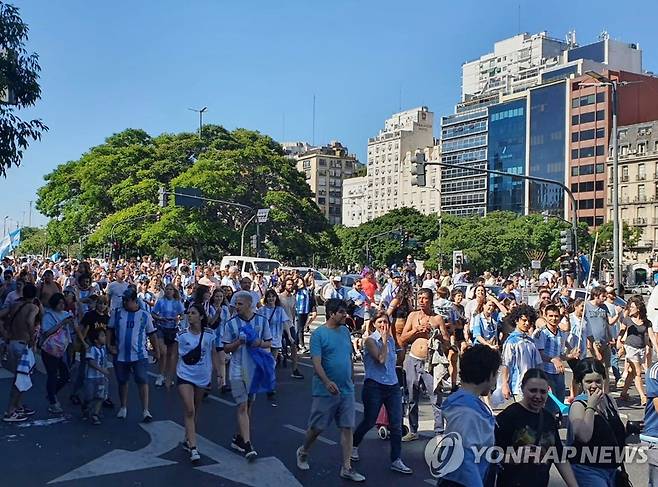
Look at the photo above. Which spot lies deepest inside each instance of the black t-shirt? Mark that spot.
(636, 334)
(94, 321)
(517, 427)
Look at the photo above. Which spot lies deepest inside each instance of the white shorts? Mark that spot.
(635, 354)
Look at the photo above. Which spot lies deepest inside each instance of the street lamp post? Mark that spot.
(616, 223)
(4, 226)
(242, 236)
(200, 111)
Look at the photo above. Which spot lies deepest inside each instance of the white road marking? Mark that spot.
(165, 436)
(430, 481)
(44, 422)
(320, 438)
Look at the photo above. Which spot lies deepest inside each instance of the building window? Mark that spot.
(641, 148)
(322, 162)
(641, 174)
(624, 173)
(322, 201)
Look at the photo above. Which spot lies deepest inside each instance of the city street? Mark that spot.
(127, 452)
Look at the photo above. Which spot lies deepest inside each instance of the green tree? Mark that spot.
(33, 241)
(19, 88)
(111, 192)
(631, 236)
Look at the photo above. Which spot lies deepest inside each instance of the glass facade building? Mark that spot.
(507, 153)
(548, 113)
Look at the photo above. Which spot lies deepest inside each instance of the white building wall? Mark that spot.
(388, 178)
(354, 201)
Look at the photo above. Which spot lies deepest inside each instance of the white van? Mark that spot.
(246, 265)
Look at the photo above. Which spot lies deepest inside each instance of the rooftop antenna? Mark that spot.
(313, 135)
(519, 19)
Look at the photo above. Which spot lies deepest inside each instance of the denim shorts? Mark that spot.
(338, 408)
(139, 369)
(96, 388)
(168, 335)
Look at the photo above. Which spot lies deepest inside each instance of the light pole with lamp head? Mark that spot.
(200, 111)
(614, 84)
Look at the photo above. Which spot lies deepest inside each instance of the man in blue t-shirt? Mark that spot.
(650, 432)
(333, 388)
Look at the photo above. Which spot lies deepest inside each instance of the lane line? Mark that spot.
(303, 432)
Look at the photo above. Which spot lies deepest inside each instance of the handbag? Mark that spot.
(56, 342)
(193, 356)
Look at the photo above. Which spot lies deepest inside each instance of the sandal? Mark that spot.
(95, 419)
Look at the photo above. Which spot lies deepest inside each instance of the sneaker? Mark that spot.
(249, 453)
(296, 374)
(272, 399)
(185, 445)
(123, 412)
(194, 455)
(355, 454)
(159, 381)
(25, 411)
(14, 417)
(237, 443)
(351, 474)
(95, 419)
(399, 466)
(55, 408)
(302, 459)
(146, 416)
(410, 436)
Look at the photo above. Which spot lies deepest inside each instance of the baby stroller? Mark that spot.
(382, 418)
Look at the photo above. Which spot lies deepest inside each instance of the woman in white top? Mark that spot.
(279, 325)
(194, 376)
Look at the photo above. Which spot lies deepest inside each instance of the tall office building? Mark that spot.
(325, 168)
(388, 171)
(516, 116)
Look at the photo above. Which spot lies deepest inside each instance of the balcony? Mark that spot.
(641, 177)
(639, 222)
(642, 198)
(624, 178)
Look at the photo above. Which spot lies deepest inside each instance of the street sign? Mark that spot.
(262, 215)
(535, 264)
(181, 197)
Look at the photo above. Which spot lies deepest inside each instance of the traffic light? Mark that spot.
(566, 241)
(459, 260)
(418, 169)
(163, 197)
(254, 241)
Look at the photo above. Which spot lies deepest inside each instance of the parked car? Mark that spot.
(248, 264)
(642, 290)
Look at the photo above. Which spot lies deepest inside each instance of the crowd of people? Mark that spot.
(469, 347)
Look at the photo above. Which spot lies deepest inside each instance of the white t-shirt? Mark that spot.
(430, 284)
(199, 374)
(115, 291)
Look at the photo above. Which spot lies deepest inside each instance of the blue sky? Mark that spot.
(112, 65)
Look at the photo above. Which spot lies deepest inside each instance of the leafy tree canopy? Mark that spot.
(19, 88)
(499, 241)
(111, 193)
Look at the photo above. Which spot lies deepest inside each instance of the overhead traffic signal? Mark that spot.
(418, 169)
(566, 241)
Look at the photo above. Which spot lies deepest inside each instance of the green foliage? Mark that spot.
(19, 84)
(33, 241)
(111, 192)
(498, 241)
(631, 236)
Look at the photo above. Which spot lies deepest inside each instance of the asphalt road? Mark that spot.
(64, 450)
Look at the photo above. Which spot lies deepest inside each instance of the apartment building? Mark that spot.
(638, 183)
(388, 178)
(354, 201)
(325, 168)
